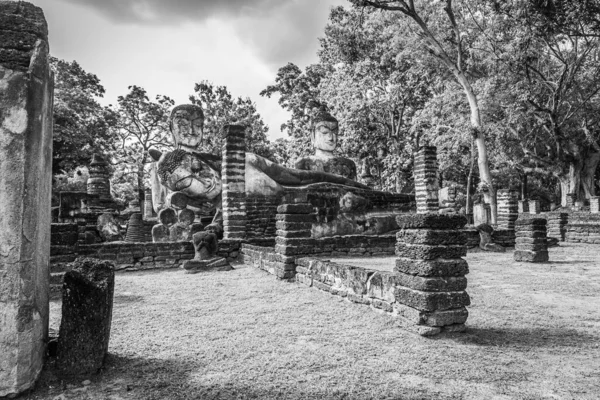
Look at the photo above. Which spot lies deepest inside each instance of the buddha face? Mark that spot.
(325, 136)
(186, 127)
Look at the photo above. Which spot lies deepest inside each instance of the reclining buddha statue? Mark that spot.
(190, 177)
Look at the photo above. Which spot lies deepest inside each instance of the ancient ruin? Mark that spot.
(26, 88)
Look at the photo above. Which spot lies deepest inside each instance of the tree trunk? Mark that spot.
(469, 203)
(485, 175)
(579, 179)
(140, 184)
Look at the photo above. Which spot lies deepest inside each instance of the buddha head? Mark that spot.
(324, 132)
(186, 123)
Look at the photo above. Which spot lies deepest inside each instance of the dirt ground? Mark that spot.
(533, 333)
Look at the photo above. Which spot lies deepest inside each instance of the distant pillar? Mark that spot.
(98, 182)
(148, 209)
(233, 173)
(534, 206)
(26, 95)
(523, 206)
(508, 211)
(595, 204)
(426, 183)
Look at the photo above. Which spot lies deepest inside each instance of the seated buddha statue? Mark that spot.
(324, 135)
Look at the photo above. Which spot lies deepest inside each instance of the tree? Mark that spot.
(299, 94)
(141, 125)
(375, 89)
(220, 109)
(444, 30)
(81, 125)
(547, 88)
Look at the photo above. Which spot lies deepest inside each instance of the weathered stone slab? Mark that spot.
(531, 256)
(531, 233)
(431, 301)
(531, 247)
(293, 226)
(296, 217)
(294, 234)
(438, 267)
(435, 284)
(432, 236)
(435, 318)
(86, 317)
(26, 93)
(431, 221)
(426, 252)
(212, 264)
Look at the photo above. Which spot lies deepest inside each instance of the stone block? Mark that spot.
(294, 234)
(434, 318)
(432, 236)
(531, 256)
(431, 301)
(296, 217)
(86, 317)
(432, 284)
(427, 268)
(531, 247)
(426, 252)
(431, 221)
(293, 226)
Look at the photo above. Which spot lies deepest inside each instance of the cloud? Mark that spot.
(177, 11)
(277, 30)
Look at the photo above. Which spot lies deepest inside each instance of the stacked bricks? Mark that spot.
(595, 204)
(98, 183)
(233, 172)
(508, 211)
(294, 224)
(534, 207)
(426, 183)
(531, 245)
(432, 271)
(557, 225)
(261, 211)
(523, 206)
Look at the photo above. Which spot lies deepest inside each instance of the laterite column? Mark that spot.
(26, 95)
(531, 244)
(508, 210)
(431, 271)
(233, 177)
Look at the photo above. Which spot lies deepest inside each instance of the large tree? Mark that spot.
(142, 125)
(220, 109)
(81, 124)
(444, 30)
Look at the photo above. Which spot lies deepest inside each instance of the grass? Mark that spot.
(533, 333)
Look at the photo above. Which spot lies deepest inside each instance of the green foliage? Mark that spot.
(141, 125)
(81, 125)
(220, 109)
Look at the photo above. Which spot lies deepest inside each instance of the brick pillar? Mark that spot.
(98, 182)
(523, 206)
(508, 211)
(294, 224)
(426, 183)
(531, 244)
(534, 206)
(233, 173)
(26, 95)
(557, 225)
(595, 204)
(431, 271)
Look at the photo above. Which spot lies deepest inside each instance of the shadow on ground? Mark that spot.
(526, 338)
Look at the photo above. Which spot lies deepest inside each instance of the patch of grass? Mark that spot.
(533, 333)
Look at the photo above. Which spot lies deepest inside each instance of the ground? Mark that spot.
(533, 333)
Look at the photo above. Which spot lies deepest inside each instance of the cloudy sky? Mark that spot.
(166, 46)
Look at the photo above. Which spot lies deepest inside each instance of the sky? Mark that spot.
(165, 46)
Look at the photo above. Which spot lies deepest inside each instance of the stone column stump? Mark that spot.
(431, 272)
(557, 225)
(294, 224)
(595, 204)
(531, 244)
(86, 317)
(534, 206)
(523, 206)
